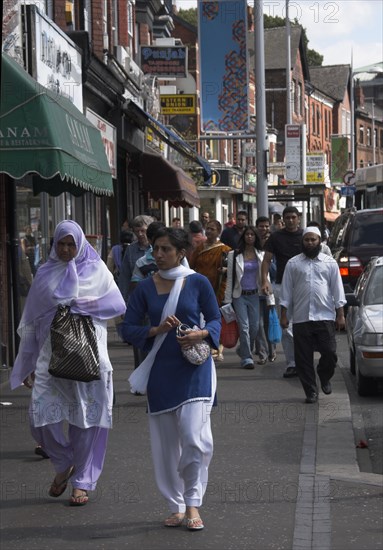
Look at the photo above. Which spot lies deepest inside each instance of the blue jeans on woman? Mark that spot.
(247, 311)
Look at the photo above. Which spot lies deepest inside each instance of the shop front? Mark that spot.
(52, 166)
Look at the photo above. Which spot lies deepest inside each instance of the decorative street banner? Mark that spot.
(339, 158)
(222, 27)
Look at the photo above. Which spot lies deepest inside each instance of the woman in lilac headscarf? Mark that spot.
(74, 275)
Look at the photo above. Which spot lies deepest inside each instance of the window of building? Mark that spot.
(375, 138)
(299, 99)
(318, 121)
(88, 16)
(130, 18)
(361, 134)
(326, 124)
(368, 137)
(313, 119)
(344, 121)
(212, 149)
(348, 123)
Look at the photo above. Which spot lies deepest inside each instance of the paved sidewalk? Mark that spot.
(284, 474)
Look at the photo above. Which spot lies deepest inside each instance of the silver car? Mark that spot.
(364, 325)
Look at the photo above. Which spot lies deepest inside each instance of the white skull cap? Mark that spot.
(312, 229)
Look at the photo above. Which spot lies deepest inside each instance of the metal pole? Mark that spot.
(352, 107)
(260, 103)
(288, 65)
(373, 132)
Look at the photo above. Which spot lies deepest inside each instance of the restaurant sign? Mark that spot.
(164, 61)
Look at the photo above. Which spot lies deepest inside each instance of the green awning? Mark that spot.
(44, 134)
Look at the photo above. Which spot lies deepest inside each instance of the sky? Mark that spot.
(338, 29)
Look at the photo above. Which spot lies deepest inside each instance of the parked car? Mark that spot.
(364, 326)
(357, 236)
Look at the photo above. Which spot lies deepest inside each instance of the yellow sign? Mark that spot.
(315, 177)
(178, 104)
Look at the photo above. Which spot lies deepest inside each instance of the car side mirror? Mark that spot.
(352, 300)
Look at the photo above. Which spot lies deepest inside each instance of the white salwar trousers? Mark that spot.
(182, 448)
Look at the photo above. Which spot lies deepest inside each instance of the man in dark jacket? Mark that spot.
(231, 235)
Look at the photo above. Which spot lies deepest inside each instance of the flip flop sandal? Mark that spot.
(194, 524)
(57, 489)
(175, 520)
(79, 500)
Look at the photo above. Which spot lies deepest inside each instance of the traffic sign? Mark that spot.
(349, 178)
(347, 190)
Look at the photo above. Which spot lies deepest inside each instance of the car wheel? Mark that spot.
(363, 383)
(352, 361)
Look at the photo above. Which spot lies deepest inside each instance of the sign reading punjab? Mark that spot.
(164, 61)
(178, 104)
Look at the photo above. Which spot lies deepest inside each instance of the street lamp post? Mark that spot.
(260, 102)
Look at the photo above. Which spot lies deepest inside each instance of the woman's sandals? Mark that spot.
(79, 499)
(194, 524)
(175, 520)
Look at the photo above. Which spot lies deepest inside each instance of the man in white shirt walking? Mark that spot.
(312, 296)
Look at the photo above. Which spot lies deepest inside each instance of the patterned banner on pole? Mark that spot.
(223, 66)
(339, 158)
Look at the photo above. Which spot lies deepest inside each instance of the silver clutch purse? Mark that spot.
(197, 353)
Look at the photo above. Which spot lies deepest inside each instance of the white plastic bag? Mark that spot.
(228, 313)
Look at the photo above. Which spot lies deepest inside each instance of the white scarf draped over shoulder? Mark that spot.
(139, 378)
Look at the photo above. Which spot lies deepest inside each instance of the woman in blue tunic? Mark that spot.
(180, 395)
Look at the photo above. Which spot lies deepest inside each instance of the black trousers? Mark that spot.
(309, 337)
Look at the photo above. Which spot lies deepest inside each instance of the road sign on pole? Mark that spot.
(349, 178)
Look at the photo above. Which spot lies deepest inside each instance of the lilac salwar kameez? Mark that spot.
(83, 410)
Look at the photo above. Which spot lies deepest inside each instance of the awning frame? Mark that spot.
(172, 139)
(165, 181)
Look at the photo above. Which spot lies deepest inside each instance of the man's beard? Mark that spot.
(311, 252)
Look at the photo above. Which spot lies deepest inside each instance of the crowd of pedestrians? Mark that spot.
(158, 278)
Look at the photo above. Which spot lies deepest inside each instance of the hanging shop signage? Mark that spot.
(178, 104)
(109, 139)
(164, 61)
(293, 152)
(51, 57)
(315, 168)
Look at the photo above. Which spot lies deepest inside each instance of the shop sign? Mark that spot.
(55, 60)
(250, 149)
(108, 136)
(178, 104)
(315, 167)
(293, 152)
(164, 61)
(227, 178)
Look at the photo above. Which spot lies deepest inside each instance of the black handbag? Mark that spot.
(74, 347)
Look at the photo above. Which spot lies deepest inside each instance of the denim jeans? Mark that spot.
(247, 311)
(287, 334)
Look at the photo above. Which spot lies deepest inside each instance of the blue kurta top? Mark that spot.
(173, 380)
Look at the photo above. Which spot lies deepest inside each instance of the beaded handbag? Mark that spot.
(197, 353)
